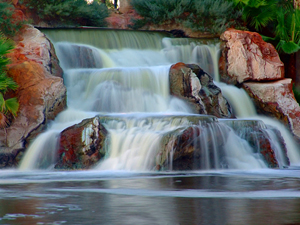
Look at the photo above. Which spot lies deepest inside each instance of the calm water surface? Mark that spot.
(97, 197)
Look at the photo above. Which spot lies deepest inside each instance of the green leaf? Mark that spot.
(2, 103)
(288, 47)
(12, 105)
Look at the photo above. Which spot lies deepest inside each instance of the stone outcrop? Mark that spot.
(276, 99)
(33, 45)
(41, 93)
(81, 145)
(202, 147)
(255, 65)
(247, 57)
(191, 83)
(256, 133)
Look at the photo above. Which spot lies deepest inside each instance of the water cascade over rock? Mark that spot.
(246, 60)
(127, 108)
(41, 93)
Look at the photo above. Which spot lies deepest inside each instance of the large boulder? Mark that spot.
(189, 82)
(206, 146)
(41, 93)
(247, 57)
(81, 145)
(276, 99)
(41, 97)
(33, 45)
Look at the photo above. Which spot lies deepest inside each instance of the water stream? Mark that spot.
(130, 78)
(123, 76)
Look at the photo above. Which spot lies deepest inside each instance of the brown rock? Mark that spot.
(41, 97)
(191, 83)
(33, 45)
(276, 99)
(248, 57)
(81, 145)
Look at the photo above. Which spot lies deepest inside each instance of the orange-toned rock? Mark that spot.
(33, 45)
(276, 99)
(41, 93)
(249, 58)
(190, 83)
(41, 97)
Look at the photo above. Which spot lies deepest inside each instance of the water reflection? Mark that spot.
(204, 198)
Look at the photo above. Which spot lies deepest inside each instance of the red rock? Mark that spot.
(33, 45)
(81, 145)
(41, 93)
(249, 58)
(41, 97)
(276, 99)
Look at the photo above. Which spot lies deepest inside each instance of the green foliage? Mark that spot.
(278, 15)
(10, 105)
(69, 12)
(8, 25)
(296, 91)
(212, 16)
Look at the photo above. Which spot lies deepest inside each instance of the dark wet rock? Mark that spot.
(257, 134)
(81, 145)
(191, 83)
(78, 56)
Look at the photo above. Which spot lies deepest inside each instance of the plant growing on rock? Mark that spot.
(279, 16)
(8, 107)
(68, 12)
(8, 24)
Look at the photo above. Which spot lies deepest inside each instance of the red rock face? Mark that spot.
(41, 93)
(276, 99)
(81, 145)
(33, 45)
(248, 57)
(41, 97)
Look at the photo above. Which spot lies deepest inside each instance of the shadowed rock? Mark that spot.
(191, 83)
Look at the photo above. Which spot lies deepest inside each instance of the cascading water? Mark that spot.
(124, 76)
(244, 108)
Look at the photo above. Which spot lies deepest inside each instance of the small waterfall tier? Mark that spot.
(121, 115)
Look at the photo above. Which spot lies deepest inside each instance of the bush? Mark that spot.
(8, 107)
(212, 16)
(8, 25)
(69, 12)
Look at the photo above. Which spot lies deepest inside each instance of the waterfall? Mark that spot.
(123, 76)
(244, 108)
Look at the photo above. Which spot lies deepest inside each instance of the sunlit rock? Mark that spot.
(41, 97)
(41, 93)
(81, 145)
(247, 57)
(191, 83)
(276, 99)
(33, 45)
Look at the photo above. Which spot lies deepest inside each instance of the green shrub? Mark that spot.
(9, 106)
(69, 12)
(279, 17)
(8, 25)
(212, 16)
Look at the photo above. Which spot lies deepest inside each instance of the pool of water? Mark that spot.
(108, 197)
